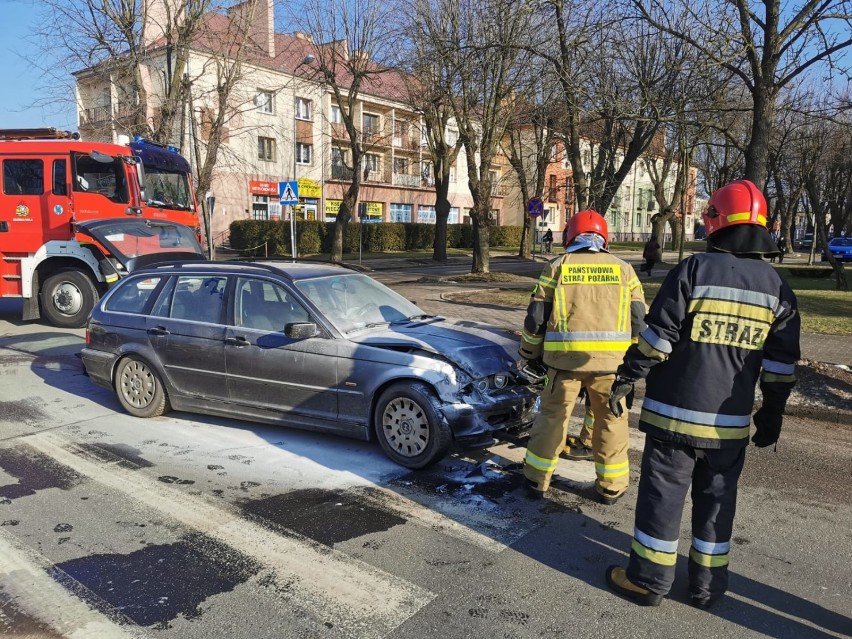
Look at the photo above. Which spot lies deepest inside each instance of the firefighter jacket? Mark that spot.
(584, 311)
(719, 324)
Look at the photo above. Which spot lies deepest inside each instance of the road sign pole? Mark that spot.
(292, 232)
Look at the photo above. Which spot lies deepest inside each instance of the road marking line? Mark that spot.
(24, 578)
(364, 601)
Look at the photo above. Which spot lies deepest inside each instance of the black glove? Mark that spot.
(621, 388)
(767, 419)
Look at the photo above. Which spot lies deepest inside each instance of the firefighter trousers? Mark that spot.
(609, 435)
(668, 468)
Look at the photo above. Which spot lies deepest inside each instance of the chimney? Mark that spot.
(160, 17)
(257, 19)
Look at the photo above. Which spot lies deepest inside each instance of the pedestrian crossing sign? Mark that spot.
(288, 192)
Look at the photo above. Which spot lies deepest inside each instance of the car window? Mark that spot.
(198, 298)
(265, 306)
(133, 295)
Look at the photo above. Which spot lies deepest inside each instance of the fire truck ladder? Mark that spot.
(46, 133)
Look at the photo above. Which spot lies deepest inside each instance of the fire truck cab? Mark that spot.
(51, 182)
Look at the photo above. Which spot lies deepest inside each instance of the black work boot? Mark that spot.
(616, 578)
(575, 449)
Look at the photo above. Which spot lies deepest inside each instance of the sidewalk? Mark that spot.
(437, 297)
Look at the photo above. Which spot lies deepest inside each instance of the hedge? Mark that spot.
(256, 238)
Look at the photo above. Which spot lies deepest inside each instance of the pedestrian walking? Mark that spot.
(722, 322)
(782, 249)
(584, 311)
(652, 254)
(548, 241)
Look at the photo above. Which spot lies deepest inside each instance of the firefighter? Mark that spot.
(723, 321)
(584, 310)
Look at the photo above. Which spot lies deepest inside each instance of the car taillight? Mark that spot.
(88, 337)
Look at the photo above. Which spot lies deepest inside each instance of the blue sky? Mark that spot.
(20, 79)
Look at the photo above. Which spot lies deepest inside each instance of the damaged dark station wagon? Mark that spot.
(308, 345)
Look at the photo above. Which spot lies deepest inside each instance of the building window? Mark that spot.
(263, 101)
(453, 174)
(452, 137)
(425, 214)
(266, 149)
(336, 115)
(400, 212)
(551, 191)
(304, 110)
(400, 165)
(304, 153)
(371, 124)
(554, 153)
(371, 162)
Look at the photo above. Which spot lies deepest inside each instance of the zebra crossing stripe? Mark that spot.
(365, 601)
(25, 580)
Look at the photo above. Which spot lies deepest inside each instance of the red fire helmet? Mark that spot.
(739, 202)
(586, 222)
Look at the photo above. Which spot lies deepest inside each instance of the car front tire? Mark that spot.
(140, 390)
(409, 428)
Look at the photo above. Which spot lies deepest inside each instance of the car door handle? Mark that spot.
(236, 341)
(159, 331)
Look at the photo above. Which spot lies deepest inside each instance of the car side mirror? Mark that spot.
(300, 330)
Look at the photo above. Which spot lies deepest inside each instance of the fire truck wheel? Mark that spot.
(67, 297)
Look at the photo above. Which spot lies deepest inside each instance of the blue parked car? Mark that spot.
(841, 249)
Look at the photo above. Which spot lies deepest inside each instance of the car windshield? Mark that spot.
(841, 241)
(354, 301)
(167, 189)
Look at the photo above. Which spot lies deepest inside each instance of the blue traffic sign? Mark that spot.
(535, 206)
(288, 192)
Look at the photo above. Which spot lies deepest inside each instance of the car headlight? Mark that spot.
(501, 380)
(482, 384)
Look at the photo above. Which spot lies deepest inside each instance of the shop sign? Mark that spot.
(309, 188)
(332, 207)
(263, 188)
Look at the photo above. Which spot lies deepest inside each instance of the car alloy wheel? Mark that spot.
(139, 389)
(409, 427)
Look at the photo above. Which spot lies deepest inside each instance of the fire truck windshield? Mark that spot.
(167, 189)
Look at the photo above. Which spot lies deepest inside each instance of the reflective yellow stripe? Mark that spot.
(634, 283)
(732, 309)
(708, 561)
(540, 463)
(589, 420)
(547, 282)
(655, 556)
(694, 430)
(532, 339)
(739, 217)
(774, 377)
(612, 470)
(623, 310)
(649, 351)
(111, 278)
(587, 346)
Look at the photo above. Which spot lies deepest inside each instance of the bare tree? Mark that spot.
(349, 40)
(430, 86)
(530, 145)
(478, 39)
(763, 44)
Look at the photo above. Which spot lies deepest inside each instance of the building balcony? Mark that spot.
(499, 190)
(341, 172)
(95, 115)
(404, 179)
(125, 110)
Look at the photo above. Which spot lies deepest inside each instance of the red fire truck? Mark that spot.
(55, 189)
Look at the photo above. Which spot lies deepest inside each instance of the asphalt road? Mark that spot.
(188, 526)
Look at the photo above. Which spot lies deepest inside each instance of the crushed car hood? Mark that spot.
(478, 349)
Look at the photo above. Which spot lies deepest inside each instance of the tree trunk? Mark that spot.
(757, 152)
(480, 242)
(442, 214)
(344, 215)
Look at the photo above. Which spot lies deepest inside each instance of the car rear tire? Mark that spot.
(67, 297)
(409, 427)
(140, 390)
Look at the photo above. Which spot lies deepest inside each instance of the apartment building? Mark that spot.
(634, 205)
(284, 124)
